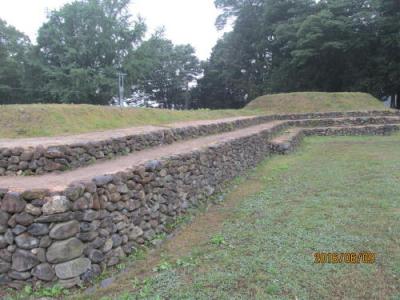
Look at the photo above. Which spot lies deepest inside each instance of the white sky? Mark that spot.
(185, 21)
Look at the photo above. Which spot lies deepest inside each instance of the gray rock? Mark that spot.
(96, 256)
(73, 268)
(4, 266)
(152, 165)
(102, 180)
(38, 229)
(26, 241)
(65, 230)
(33, 210)
(134, 233)
(3, 242)
(74, 191)
(4, 217)
(23, 260)
(117, 240)
(87, 236)
(44, 272)
(18, 229)
(56, 204)
(5, 255)
(123, 189)
(26, 155)
(34, 194)
(92, 273)
(81, 204)
(9, 237)
(56, 218)
(24, 219)
(107, 246)
(45, 242)
(63, 251)
(12, 203)
(40, 254)
(19, 275)
(54, 153)
(90, 215)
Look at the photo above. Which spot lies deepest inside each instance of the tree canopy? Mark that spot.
(303, 45)
(274, 46)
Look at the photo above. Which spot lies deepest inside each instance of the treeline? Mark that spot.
(275, 46)
(303, 45)
(79, 51)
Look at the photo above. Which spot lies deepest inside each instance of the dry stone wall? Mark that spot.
(40, 160)
(71, 236)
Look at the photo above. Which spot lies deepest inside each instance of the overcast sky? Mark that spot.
(185, 21)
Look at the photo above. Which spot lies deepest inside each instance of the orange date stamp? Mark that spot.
(344, 258)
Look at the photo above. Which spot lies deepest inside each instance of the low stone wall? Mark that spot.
(41, 160)
(353, 131)
(69, 237)
(72, 236)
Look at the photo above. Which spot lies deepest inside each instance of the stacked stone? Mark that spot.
(71, 236)
(386, 129)
(41, 160)
(358, 121)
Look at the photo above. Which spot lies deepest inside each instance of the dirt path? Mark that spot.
(103, 135)
(58, 182)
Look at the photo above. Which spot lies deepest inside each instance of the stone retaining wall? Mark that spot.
(70, 237)
(40, 160)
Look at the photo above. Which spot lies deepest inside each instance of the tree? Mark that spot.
(163, 71)
(14, 49)
(82, 46)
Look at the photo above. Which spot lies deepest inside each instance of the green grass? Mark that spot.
(333, 195)
(35, 120)
(18, 121)
(315, 102)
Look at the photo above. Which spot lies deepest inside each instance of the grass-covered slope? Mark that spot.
(315, 102)
(51, 120)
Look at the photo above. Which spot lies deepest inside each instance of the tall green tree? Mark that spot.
(163, 71)
(83, 45)
(14, 50)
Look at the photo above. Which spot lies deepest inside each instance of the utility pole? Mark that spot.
(121, 77)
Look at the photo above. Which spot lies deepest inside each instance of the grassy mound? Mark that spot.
(51, 120)
(315, 102)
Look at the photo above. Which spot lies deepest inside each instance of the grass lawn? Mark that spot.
(18, 121)
(315, 102)
(333, 195)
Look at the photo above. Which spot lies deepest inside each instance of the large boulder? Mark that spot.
(23, 260)
(65, 230)
(63, 251)
(72, 268)
(12, 203)
(44, 272)
(56, 204)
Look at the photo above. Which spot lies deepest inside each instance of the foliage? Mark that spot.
(303, 45)
(14, 48)
(163, 71)
(82, 45)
